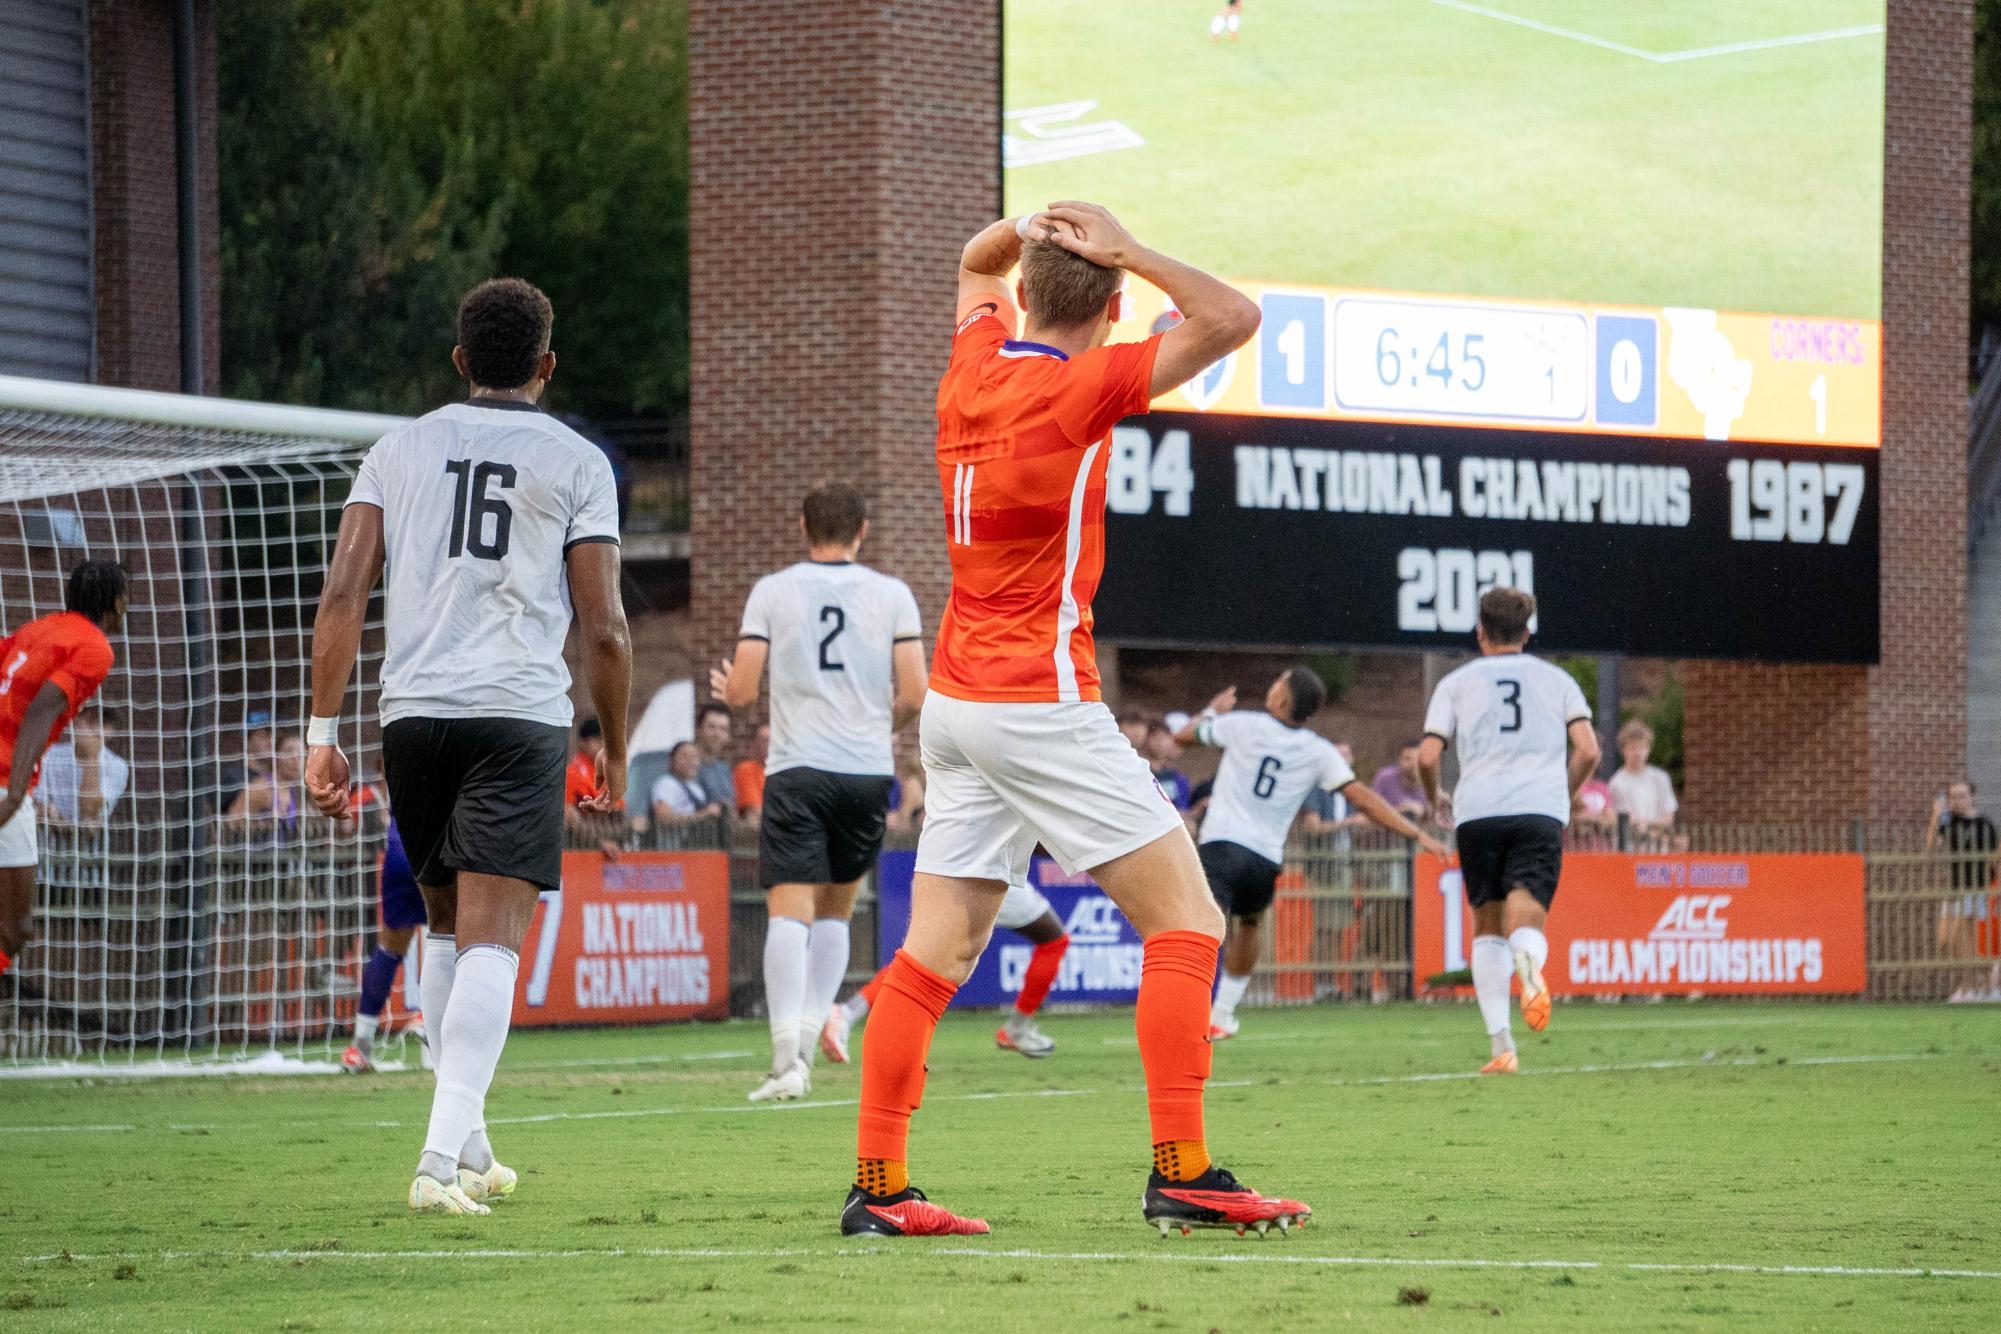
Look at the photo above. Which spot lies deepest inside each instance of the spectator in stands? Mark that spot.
(580, 780)
(1133, 725)
(679, 797)
(253, 765)
(1324, 812)
(713, 722)
(82, 777)
(268, 808)
(1970, 843)
(1594, 814)
(1643, 792)
(748, 776)
(1161, 751)
(1400, 785)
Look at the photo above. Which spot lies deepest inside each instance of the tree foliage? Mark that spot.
(381, 156)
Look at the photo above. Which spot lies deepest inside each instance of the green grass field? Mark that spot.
(1653, 1172)
(1413, 144)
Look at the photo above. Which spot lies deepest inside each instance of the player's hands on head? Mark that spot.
(611, 784)
(1091, 231)
(1225, 701)
(327, 780)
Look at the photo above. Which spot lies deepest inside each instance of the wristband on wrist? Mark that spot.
(1021, 225)
(323, 732)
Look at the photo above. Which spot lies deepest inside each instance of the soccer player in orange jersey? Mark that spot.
(48, 668)
(1018, 746)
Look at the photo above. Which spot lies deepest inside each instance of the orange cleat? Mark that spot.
(904, 1214)
(1217, 1199)
(1504, 1064)
(1535, 994)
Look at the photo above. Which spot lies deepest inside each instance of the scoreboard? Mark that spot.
(1590, 309)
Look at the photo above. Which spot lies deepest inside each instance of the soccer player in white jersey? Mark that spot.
(1512, 717)
(1270, 763)
(494, 521)
(846, 653)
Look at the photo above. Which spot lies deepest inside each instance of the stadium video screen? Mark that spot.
(1573, 295)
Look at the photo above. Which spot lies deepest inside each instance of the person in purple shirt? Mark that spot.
(1400, 785)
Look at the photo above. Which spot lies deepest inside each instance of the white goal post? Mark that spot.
(192, 922)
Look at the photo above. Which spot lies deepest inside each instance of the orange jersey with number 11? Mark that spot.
(1023, 444)
(65, 649)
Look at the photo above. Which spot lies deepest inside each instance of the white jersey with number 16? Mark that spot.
(480, 504)
(1508, 716)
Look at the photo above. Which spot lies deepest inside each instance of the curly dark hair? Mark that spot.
(94, 588)
(504, 329)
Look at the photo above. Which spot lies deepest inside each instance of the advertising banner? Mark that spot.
(1101, 967)
(635, 941)
(1641, 924)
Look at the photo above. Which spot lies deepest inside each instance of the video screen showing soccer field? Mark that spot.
(1541, 234)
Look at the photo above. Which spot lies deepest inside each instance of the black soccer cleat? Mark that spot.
(1217, 1199)
(904, 1214)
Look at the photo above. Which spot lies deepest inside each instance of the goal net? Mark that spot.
(201, 913)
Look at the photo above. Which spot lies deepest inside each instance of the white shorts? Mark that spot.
(17, 836)
(1023, 904)
(999, 778)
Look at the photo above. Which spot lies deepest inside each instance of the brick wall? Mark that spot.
(840, 156)
(1784, 743)
(132, 182)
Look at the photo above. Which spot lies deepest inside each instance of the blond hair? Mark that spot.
(1635, 730)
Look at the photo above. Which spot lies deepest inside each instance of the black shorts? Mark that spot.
(1504, 851)
(1242, 881)
(820, 828)
(478, 794)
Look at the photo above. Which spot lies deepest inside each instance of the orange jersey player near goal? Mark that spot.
(1018, 747)
(48, 669)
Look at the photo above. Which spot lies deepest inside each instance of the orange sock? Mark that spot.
(881, 1176)
(1181, 1159)
(873, 987)
(905, 1014)
(1177, 970)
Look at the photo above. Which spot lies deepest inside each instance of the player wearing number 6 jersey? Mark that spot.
(492, 521)
(847, 669)
(1512, 717)
(1270, 763)
(1018, 747)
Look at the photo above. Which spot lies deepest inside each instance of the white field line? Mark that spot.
(1666, 57)
(816, 1104)
(922, 1249)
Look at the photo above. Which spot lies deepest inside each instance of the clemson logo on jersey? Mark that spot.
(1205, 390)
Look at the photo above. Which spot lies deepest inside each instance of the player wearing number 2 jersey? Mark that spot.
(1018, 748)
(847, 669)
(493, 521)
(1270, 763)
(48, 668)
(1512, 717)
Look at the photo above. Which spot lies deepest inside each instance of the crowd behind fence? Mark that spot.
(266, 946)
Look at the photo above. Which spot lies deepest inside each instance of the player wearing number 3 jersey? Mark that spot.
(1018, 748)
(493, 521)
(1270, 762)
(1512, 717)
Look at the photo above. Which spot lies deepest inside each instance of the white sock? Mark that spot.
(1216, 26)
(857, 1007)
(478, 1151)
(826, 967)
(364, 1027)
(785, 987)
(1493, 967)
(472, 1034)
(434, 987)
(1531, 941)
(1229, 990)
(1234, 20)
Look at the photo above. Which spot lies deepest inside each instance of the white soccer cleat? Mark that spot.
(495, 1183)
(1222, 1027)
(428, 1195)
(1020, 1034)
(834, 1035)
(787, 1086)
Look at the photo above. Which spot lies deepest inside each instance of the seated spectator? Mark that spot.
(268, 809)
(1643, 792)
(713, 725)
(252, 766)
(748, 776)
(1969, 839)
(1324, 812)
(1401, 786)
(679, 797)
(1161, 751)
(82, 777)
(1594, 812)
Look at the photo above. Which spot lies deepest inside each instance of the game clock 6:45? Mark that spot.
(1454, 359)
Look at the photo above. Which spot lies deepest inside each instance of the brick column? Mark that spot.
(840, 155)
(133, 200)
(1821, 743)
